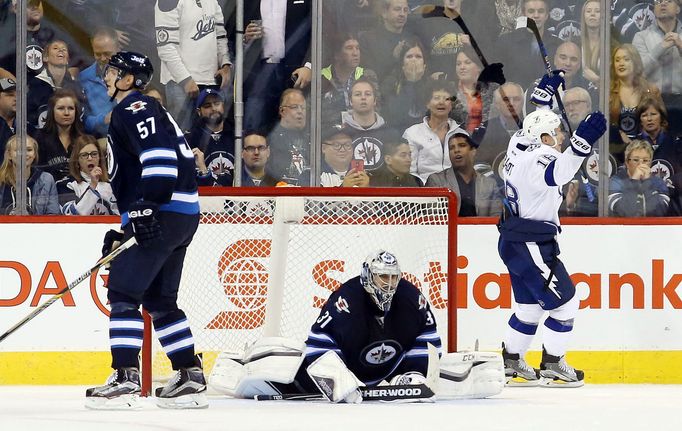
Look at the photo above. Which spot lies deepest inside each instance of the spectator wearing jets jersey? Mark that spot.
(192, 45)
(212, 140)
(535, 171)
(337, 153)
(634, 191)
(290, 139)
(477, 194)
(429, 138)
(90, 186)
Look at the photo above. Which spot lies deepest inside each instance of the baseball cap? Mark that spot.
(7, 84)
(208, 92)
(331, 130)
(459, 132)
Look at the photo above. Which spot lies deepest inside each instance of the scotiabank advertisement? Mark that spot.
(629, 328)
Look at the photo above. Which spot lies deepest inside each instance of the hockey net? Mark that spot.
(264, 261)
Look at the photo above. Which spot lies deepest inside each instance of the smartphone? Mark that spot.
(358, 165)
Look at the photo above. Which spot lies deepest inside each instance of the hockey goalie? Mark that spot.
(375, 339)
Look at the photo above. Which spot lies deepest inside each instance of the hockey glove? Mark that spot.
(409, 378)
(112, 239)
(589, 131)
(492, 73)
(547, 88)
(146, 227)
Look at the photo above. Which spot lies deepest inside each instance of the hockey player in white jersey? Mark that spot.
(535, 170)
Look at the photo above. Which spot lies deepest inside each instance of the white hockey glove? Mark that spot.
(336, 382)
(409, 378)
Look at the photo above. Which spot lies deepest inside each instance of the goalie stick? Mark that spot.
(100, 263)
(385, 393)
(430, 11)
(529, 23)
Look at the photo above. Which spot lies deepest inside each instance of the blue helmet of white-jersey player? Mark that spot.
(132, 63)
(541, 122)
(380, 276)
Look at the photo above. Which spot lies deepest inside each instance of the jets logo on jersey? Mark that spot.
(381, 352)
(112, 166)
(342, 305)
(137, 106)
(369, 150)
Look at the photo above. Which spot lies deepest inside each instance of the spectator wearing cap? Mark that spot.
(192, 45)
(337, 153)
(8, 111)
(477, 195)
(290, 140)
(212, 141)
(104, 44)
(396, 169)
(255, 155)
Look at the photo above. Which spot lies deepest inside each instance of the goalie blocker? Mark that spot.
(267, 370)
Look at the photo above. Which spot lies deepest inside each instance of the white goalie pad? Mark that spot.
(470, 375)
(336, 382)
(271, 359)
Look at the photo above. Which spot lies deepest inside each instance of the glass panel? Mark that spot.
(646, 111)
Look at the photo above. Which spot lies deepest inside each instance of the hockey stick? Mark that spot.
(529, 23)
(430, 11)
(100, 263)
(387, 393)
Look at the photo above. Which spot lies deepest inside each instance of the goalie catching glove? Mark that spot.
(146, 227)
(549, 86)
(588, 132)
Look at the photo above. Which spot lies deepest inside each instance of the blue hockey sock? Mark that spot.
(125, 338)
(173, 332)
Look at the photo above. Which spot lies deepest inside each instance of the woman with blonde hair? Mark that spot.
(93, 193)
(41, 189)
(590, 39)
(628, 88)
(634, 191)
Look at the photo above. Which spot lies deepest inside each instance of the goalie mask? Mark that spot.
(380, 276)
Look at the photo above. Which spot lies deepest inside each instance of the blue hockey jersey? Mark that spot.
(374, 345)
(149, 158)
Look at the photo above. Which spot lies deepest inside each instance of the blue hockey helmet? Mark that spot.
(380, 276)
(133, 63)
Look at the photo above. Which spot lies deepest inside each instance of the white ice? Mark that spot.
(593, 407)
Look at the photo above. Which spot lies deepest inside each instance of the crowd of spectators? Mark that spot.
(406, 100)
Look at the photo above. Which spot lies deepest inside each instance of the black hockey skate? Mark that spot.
(517, 372)
(555, 372)
(121, 392)
(185, 390)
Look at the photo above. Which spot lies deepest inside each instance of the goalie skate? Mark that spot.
(186, 390)
(517, 372)
(121, 392)
(555, 372)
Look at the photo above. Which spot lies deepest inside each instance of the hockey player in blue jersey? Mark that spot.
(375, 329)
(153, 178)
(535, 170)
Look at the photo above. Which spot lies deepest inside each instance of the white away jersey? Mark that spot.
(533, 176)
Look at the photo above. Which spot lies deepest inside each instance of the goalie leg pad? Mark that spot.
(470, 375)
(336, 382)
(271, 359)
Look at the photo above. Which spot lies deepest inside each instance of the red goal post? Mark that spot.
(264, 260)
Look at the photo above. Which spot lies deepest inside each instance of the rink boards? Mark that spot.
(629, 328)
